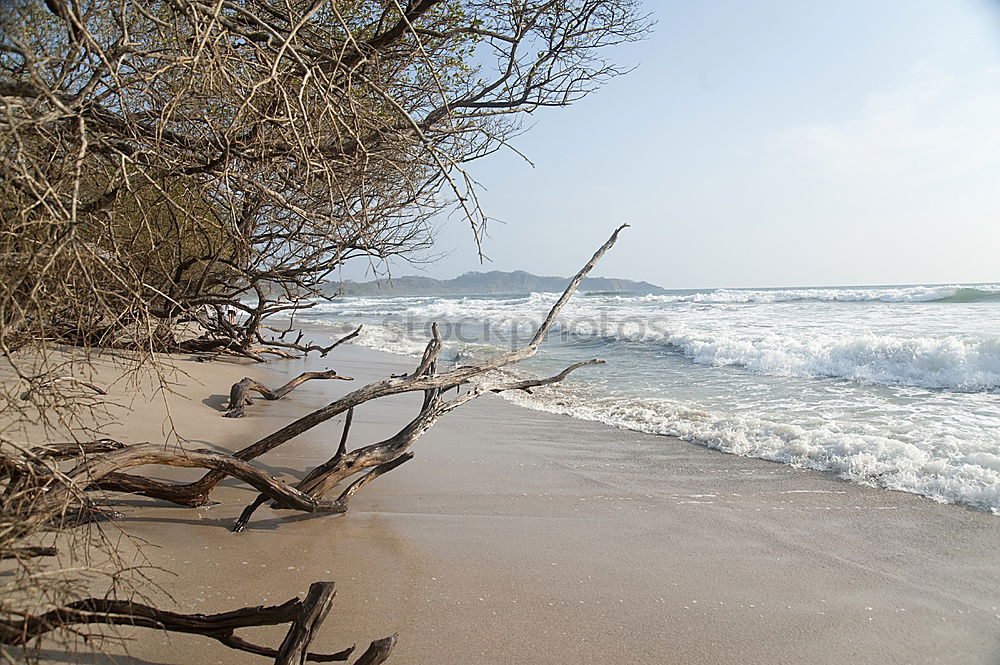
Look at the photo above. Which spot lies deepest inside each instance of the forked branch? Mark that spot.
(239, 397)
(305, 617)
(378, 457)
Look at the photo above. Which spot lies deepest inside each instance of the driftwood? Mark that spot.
(305, 617)
(226, 340)
(374, 457)
(105, 470)
(378, 651)
(57, 497)
(34, 477)
(27, 552)
(343, 465)
(239, 397)
(308, 347)
(42, 383)
(60, 451)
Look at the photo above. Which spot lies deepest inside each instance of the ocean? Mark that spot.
(896, 387)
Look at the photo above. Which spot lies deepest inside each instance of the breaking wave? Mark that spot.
(951, 471)
(896, 391)
(949, 363)
(902, 294)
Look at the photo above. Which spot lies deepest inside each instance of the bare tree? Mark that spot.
(166, 160)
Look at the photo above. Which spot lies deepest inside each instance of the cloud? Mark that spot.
(932, 126)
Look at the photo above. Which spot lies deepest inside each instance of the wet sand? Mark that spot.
(518, 536)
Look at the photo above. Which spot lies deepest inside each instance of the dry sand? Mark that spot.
(519, 536)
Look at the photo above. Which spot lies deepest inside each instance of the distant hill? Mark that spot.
(481, 284)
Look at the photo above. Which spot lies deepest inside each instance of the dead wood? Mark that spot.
(419, 379)
(338, 506)
(191, 495)
(307, 348)
(28, 552)
(305, 617)
(52, 495)
(309, 492)
(60, 451)
(239, 398)
(42, 383)
(304, 627)
(378, 651)
(58, 497)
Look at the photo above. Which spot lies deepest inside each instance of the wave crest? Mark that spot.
(866, 458)
(956, 293)
(949, 363)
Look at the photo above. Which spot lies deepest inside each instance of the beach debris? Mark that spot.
(372, 460)
(305, 617)
(239, 397)
(64, 498)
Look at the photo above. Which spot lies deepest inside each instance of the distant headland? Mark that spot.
(482, 283)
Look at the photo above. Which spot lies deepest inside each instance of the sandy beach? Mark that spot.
(517, 535)
(698, 305)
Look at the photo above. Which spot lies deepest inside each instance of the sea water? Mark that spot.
(897, 387)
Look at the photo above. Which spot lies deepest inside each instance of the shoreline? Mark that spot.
(829, 387)
(517, 533)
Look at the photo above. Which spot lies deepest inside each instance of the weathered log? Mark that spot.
(337, 506)
(191, 495)
(72, 449)
(319, 481)
(54, 494)
(305, 617)
(386, 455)
(231, 346)
(258, 350)
(418, 381)
(239, 398)
(97, 467)
(293, 649)
(378, 651)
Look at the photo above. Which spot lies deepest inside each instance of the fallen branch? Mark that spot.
(305, 617)
(378, 651)
(95, 469)
(344, 464)
(308, 348)
(48, 383)
(28, 552)
(338, 506)
(386, 455)
(60, 451)
(239, 398)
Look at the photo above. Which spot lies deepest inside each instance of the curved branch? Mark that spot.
(92, 471)
(321, 479)
(239, 399)
(304, 615)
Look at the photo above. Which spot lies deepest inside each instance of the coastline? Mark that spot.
(519, 534)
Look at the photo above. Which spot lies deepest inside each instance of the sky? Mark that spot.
(764, 143)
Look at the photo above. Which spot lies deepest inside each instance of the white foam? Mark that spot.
(762, 344)
(943, 474)
(944, 443)
(947, 363)
(901, 294)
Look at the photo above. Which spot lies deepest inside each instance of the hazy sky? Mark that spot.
(765, 143)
